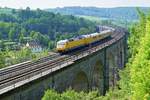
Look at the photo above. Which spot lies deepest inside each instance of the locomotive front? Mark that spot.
(61, 45)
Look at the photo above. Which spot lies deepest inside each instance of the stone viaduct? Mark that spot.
(98, 70)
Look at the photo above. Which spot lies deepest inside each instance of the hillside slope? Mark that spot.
(15, 24)
(128, 13)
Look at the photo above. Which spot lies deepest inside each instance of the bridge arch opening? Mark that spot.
(80, 82)
(98, 77)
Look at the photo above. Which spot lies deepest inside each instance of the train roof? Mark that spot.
(77, 38)
(93, 34)
(84, 36)
(62, 41)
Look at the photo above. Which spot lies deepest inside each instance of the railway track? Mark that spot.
(24, 68)
(27, 70)
(31, 71)
(26, 65)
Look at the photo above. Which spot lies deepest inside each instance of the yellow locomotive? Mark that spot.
(73, 43)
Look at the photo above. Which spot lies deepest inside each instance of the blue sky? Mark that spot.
(61, 3)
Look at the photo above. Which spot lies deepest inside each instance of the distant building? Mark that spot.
(34, 46)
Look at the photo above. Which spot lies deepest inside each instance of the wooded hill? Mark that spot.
(126, 13)
(46, 27)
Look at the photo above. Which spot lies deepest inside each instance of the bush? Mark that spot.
(51, 95)
(71, 95)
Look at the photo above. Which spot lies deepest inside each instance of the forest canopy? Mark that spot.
(46, 27)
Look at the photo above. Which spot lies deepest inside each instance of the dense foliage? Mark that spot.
(140, 65)
(71, 95)
(46, 27)
(135, 78)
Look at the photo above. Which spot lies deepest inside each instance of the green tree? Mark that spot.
(2, 59)
(21, 37)
(50, 45)
(1, 36)
(71, 95)
(13, 11)
(11, 34)
(83, 31)
(135, 81)
(51, 95)
(140, 68)
(32, 34)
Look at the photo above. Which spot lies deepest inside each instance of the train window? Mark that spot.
(61, 44)
(71, 39)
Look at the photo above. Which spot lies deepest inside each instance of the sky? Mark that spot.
(43, 4)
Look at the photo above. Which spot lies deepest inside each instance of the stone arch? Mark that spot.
(80, 82)
(113, 70)
(98, 77)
